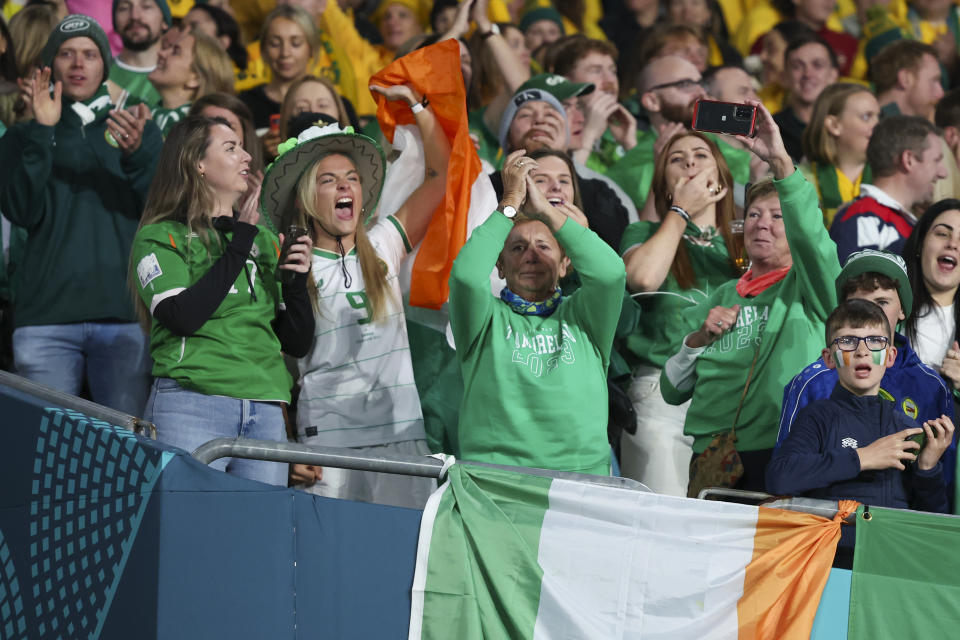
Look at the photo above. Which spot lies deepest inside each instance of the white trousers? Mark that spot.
(658, 454)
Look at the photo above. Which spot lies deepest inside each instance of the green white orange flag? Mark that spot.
(435, 72)
(509, 555)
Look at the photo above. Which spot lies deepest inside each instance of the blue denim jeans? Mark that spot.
(187, 419)
(113, 357)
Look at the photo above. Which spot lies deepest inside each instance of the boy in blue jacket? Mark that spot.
(854, 445)
(916, 389)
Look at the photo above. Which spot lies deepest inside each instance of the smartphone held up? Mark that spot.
(725, 117)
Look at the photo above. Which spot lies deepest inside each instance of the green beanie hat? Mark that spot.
(164, 9)
(77, 26)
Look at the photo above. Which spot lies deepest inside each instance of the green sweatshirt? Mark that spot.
(535, 390)
(786, 320)
(653, 341)
(79, 199)
(634, 171)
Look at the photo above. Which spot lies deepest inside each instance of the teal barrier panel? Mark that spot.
(104, 534)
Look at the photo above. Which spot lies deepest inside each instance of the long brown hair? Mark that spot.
(373, 269)
(178, 191)
(681, 268)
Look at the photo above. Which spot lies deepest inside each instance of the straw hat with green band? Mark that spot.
(279, 193)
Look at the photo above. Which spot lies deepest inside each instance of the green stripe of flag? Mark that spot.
(906, 576)
(482, 576)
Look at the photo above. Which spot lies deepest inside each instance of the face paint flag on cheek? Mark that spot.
(879, 357)
(841, 358)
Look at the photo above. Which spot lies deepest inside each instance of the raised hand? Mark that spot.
(37, 99)
(768, 143)
(623, 126)
(127, 127)
(939, 436)
(950, 367)
(299, 254)
(719, 321)
(515, 170)
(694, 194)
(249, 202)
(397, 92)
(571, 211)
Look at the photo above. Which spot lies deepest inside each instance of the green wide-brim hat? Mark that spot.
(279, 193)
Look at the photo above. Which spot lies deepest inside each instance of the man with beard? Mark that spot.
(809, 67)
(669, 87)
(140, 24)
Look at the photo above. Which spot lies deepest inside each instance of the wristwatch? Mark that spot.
(509, 211)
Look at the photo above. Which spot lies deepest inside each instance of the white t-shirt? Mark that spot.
(356, 384)
(935, 332)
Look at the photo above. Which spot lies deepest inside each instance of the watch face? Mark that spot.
(509, 211)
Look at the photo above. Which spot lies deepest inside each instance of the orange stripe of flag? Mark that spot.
(434, 71)
(792, 555)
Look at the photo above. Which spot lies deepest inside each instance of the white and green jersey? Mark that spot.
(236, 352)
(166, 118)
(356, 384)
(135, 82)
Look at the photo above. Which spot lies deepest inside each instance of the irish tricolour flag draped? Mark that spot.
(509, 555)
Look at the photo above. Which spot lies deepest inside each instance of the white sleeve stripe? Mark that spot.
(160, 297)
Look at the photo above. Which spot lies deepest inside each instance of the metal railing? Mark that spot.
(424, 466)
(343, 458)
(823, 508)
(86, 407)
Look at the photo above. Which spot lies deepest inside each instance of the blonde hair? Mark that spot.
(287, 108)
(212, 65)
(818, 144)
(373, 269)
(681, 268)
(302, 19)
(30, 29)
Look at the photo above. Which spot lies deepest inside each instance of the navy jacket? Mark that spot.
(819, 459)
(916, 389)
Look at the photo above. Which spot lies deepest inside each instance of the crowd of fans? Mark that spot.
(634, 290)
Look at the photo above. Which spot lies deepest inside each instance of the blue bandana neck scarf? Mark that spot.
(527, 308)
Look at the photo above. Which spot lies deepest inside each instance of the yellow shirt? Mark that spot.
(367, 59)
(592, 13)
(760, 20)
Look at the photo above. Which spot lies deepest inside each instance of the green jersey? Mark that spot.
(783, 325)
(236, 352)
(134, 81)
(654, 340)
(166, 118)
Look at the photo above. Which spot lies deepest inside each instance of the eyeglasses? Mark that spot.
(682, 85)
(852, 343)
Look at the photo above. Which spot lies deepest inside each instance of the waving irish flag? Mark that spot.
(509, 555)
